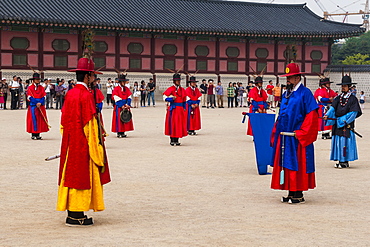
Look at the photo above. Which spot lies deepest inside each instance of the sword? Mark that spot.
(354, 131)
(348, 127)
(57, 156)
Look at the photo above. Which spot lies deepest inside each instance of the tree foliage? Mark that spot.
(356, 59)
(351, 48)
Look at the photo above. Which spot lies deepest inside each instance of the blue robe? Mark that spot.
(291, 116)
(343, 148)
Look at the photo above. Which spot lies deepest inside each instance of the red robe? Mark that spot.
(117, 125)
(256, 96)
(78, 109)
(40, 113)
(297, 180)
(99, 98)
(193, 114)
(175, 125)
(324, 93)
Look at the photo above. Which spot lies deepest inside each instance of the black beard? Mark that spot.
(289, 87)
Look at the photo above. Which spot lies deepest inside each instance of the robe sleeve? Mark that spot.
(330, 114)
(346, 119)
(96, 150)
(307, 134)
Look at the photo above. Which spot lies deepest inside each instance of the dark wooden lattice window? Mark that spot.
(169, 49)
(201, 51)
(169, 64)
(99, 61)
(101, 46)
(316, 68)
(201, 65)
(262, 53)
(135, 48)
(135, 63)
(60, 61)
(19, 59)
(60, 45)
(261, 66)
(19, 43)
(316, 55)
(232, 66)
(232, 52)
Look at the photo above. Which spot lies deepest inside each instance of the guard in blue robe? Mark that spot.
(293, 154)
(342, 114)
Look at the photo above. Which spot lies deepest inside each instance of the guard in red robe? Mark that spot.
(295, 131)
(324, 97)
(98, 99)
(257, 96)
(192, 107)
(37, 121)
(83, 164)
(175, 125)
(122, 97)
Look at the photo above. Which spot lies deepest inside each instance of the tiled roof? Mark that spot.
(347, 68)
(213, 17)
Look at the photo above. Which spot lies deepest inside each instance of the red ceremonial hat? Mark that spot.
(292, 69)
(85, 64)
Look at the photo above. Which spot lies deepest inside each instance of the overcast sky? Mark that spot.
(329, 5)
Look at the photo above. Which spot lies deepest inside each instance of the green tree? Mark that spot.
(351, 47)
(356, 59)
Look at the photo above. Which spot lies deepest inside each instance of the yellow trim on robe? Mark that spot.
(83, 200)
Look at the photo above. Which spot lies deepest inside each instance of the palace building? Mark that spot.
(223, 40)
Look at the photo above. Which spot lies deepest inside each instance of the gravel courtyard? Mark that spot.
(204, 193)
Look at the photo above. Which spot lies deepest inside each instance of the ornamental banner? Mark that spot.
(262, 125)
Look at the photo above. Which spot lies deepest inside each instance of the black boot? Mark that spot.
(297, 198)
(172, 141)
(177, 142)
(78, 219)
(286, 199)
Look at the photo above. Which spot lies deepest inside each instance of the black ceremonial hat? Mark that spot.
(258, 79)
(346, 80)
(192, 79)
(324, 81)
(36, 76)
(176, 77)
(122, 77)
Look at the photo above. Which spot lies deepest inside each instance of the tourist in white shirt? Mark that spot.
(14, 91)
(47, 87)
(109, 92)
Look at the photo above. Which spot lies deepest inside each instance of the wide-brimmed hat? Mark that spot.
(85, 64)
(258, 79)
(292, 69)
(125, 116)
(192, 79)
(36, 76)
(346, 80)
(176, 77)
(324, 81)
(122, 77)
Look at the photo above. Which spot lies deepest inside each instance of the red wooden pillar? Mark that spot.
(41, 51)
(152, 57)
(117, 50)
(330, 41)
(276, 57)
(217, 57)
(247, 48)
(303, 67)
